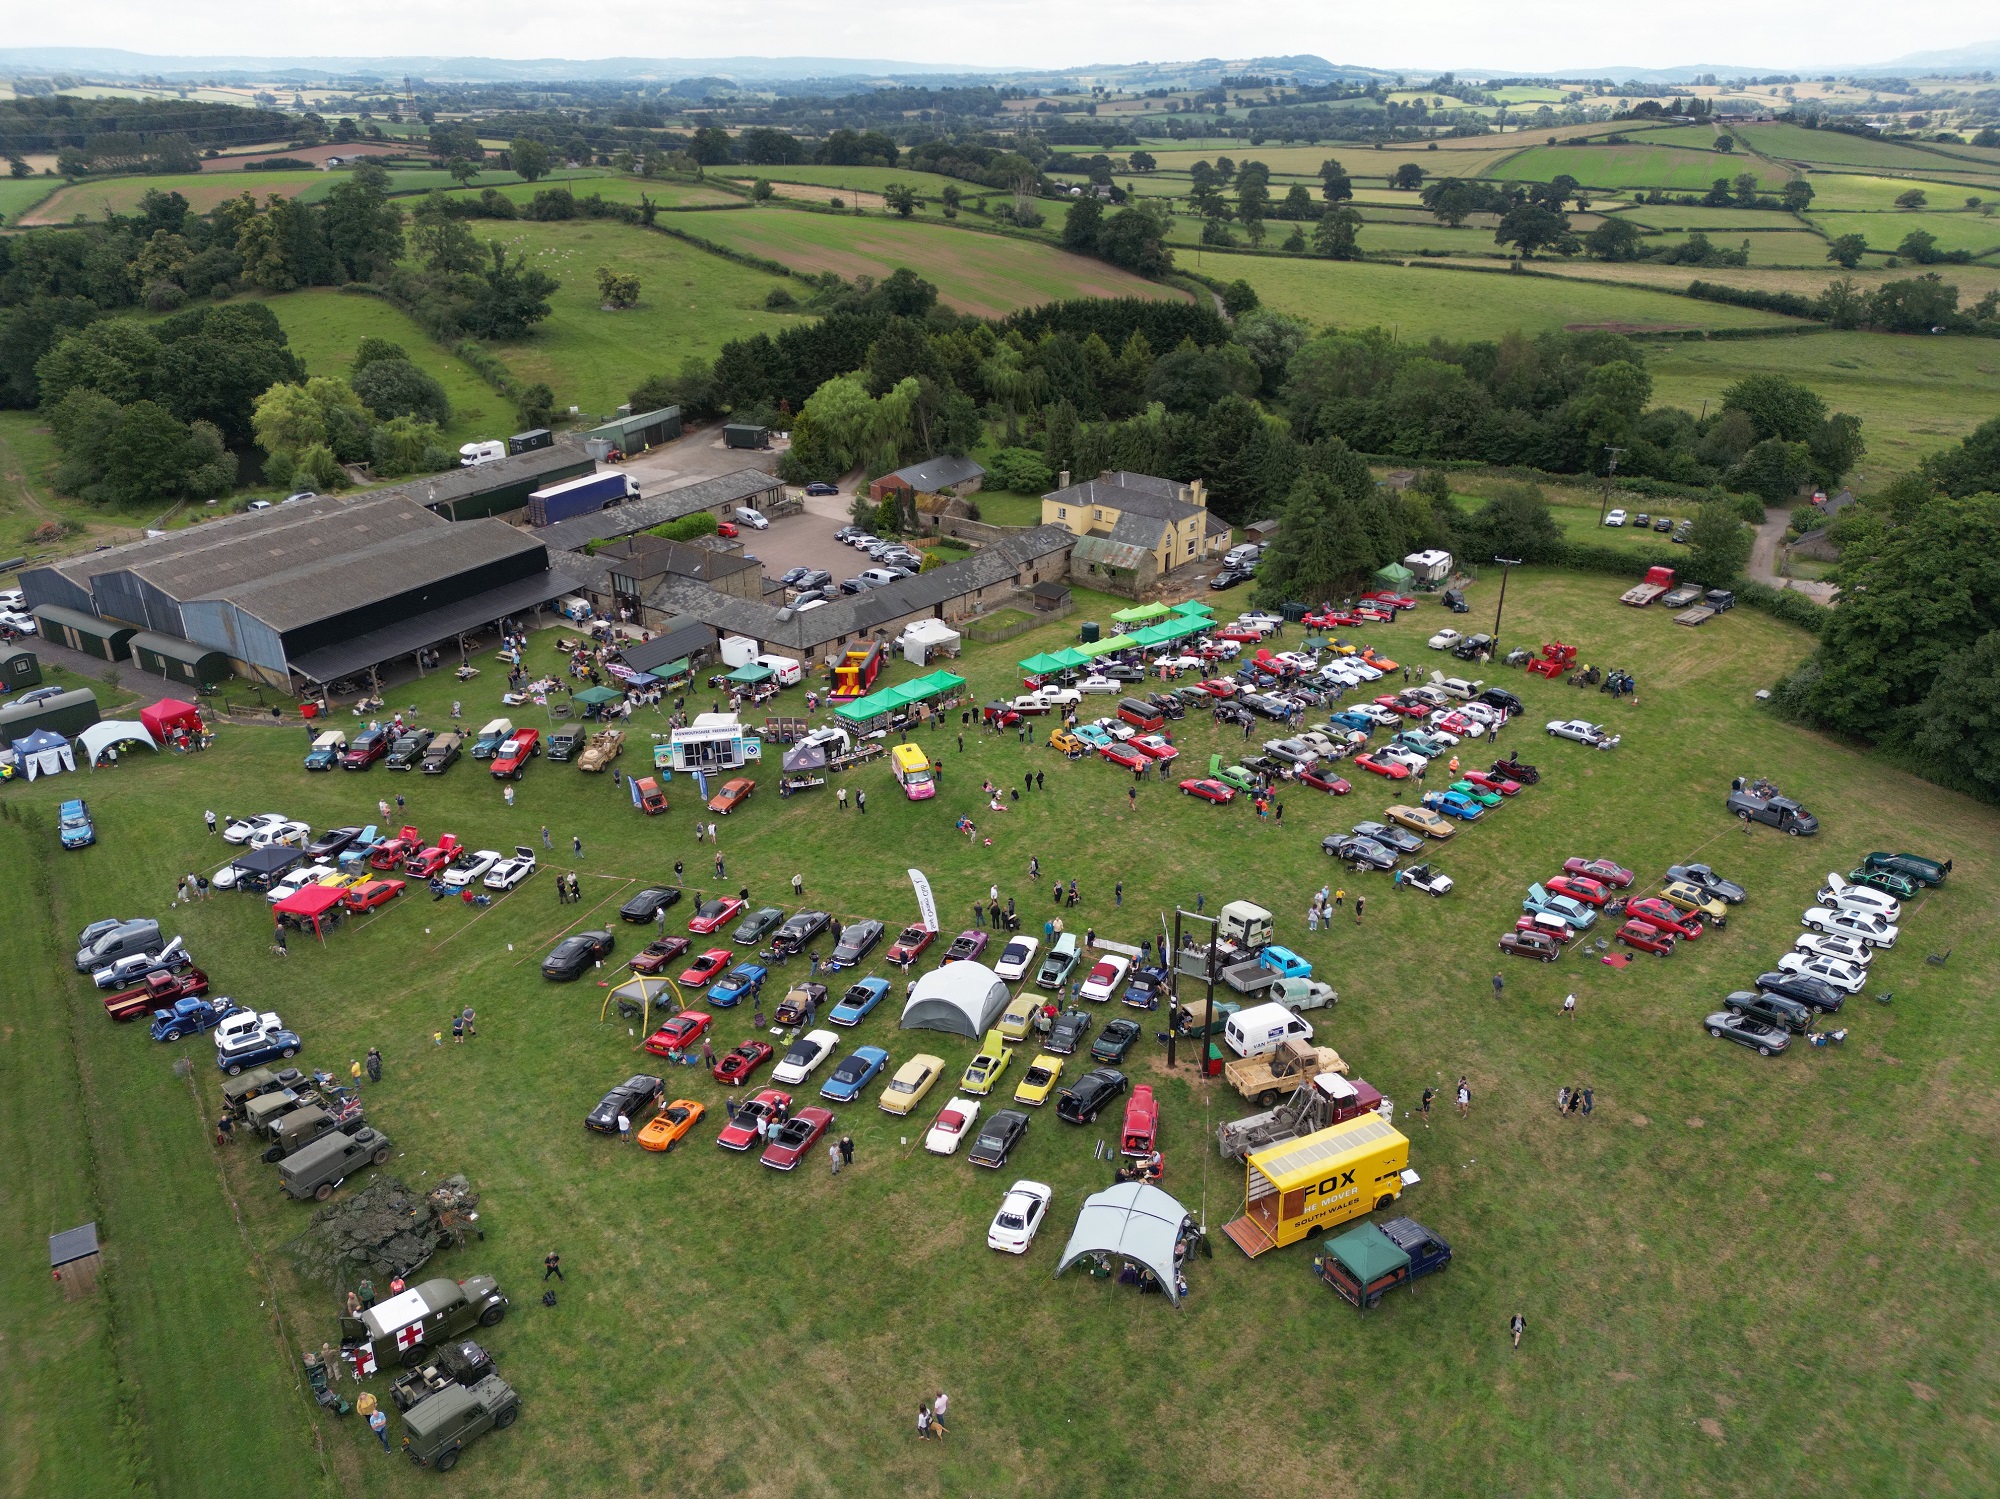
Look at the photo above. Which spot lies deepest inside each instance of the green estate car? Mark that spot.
(1910, 866)
(1886, 880)
(1233, 776)
(1479, 794)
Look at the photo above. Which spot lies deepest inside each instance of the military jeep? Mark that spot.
(436, 1431)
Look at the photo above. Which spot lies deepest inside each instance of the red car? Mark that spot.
(1548, 925)
(908, 947)
(1457, 723)
(1155, 747)
(1666, 916)
(679, 1033)
(514, 754)
(1646, 937)
(1241, 634)
(1387, 768)
(1218, 687)
(1123, 755)
(391, 852)
(1142, 1123)
(1326, 619)
(658, 954)
(740, 1133)
(707, 966)
(369, 894)
(726, 528)
(712, 915)
(969, 945)
(1375, 614)
(1209, 791)
(1576, 887)
(433, 861)
(1597, 869)
(1321, 781)
(1485, 780)
(791, 1140)
(1389, 600)
(734, 1068)
(734, 793)
(1404, 708)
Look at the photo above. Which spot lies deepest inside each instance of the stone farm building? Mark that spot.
(1133, 529)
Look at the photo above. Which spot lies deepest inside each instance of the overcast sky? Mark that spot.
(1537, 35)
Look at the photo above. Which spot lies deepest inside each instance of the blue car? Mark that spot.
(1454, 804)
(854, 1074)
(1285, 962)
(1575, 912)
(858, 1001)
(73, 822)
(1090, 733)
(744, 980)
(1349, 719)
(1422, 743)
(1146, 987)
(257, 1048)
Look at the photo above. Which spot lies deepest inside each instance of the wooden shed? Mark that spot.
(74, 1259)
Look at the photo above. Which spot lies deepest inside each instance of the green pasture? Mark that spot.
(19, 194)
(1422, 303)
(984, 274)
(1796, 247)
(1838, 148)
(204, 190)
(1710, 220)
(1914, 395)
(691, 303)
(705, 1293)
(669, 192)
(1636, 165)
(1845, 191)
(863, 179)
(1460, 160)
(1971, 232)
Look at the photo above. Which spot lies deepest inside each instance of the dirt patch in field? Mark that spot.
(1922, 1391)
(1710, 1427)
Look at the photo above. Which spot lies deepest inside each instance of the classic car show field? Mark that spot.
(1739, 1274)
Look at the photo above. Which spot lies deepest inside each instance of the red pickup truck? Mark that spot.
(512, 757)
(159, 992)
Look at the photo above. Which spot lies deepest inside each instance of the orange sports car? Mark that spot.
(664, 1130)
(734, 793)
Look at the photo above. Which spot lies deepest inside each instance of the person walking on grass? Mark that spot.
(1569, 1007)
(547, 843)
(1589, 1100)
(374, 1064)
(1517, 1324)
(209, 818)
(923, 1422)
(1464, 1096)
(1429, 1094)
(938, 1407)
(552, 1265)
(1499, 983)
(1359, 902)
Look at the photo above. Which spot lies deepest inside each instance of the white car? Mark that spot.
(1445, 638)
(246, 1023)
(1484, 713)
(296, 881)
(1583, 731)
(1846, 977)
(510, 872)
(1837, 892)
(13, 601)
(1298, 660)
(1017, 957)
(1847, 949)
(953, 1126)
(1100, 685)
(1457, 687)
(133, 967)
(461, 875)
(754, 519)
(1363, 670)
(1400, 754)
(242, 828)
(1859, 925)
(1260, 617)
(281, 835)
(1615, 518)
(804, 1057)
(1058, 697)
(1378, 715)
(1444, 737)
(20, 622)
(1117, 728)
(1105, 978)
(1021, 1213)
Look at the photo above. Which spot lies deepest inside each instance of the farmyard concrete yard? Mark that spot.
(1733, 1267)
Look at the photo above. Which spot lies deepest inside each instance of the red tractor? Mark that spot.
(1557, 658)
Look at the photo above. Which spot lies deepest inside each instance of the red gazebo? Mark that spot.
(168, 714)
(310, 905)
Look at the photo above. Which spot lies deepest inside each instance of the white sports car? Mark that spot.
(459, 876)
(805, 1054)
(1859, 925)
(243, 828)
(1017, 957)
(1846, 977)
(1583, 731)
(953, 1126)
(1021, 1213)
(510, 872)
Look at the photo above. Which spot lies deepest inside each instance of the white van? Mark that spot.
(754, 519)
(788, 672)
(1258, 1030)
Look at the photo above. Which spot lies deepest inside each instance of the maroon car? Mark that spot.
(712, 915)
(966, 946)
(740, 1133)
(1121, 755)
(1665, 915)
(734, 1067)
(1531, 945)
(791, 1140)
(1601, 870)
(1320, 780)
(1576, 887)
(908, 947)
(658, 954)
(1646, 937)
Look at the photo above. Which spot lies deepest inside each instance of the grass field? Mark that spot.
(706, 1296)
(1836, 191)
(867, 179)
(19, 194)
(670, 192)
(1712, 220)
(1837, 148)
(1424, 302)
(1794, 247)
(1636, 165)
(1884, 231)
(205, 190)
(986, 274)
(691, 303)
(1468, 157)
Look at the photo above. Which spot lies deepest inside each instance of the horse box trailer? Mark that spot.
(1300, 1188)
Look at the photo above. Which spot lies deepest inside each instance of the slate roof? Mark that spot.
(934, 474)
(737, 488)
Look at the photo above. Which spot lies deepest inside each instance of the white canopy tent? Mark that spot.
(962, 998)
(1132, 1220)
(100, 737)
(924, 638)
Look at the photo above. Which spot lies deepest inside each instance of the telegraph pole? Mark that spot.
(1507, 566)
(1610, 468)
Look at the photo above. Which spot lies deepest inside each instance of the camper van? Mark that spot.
(1259, 1029)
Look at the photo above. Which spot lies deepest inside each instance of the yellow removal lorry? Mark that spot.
(1299, 1188)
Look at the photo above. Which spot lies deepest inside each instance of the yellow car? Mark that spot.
(1339, 648)
(1422, 820)
(664, 1130)
(1040, 1080)
(1690, 897)
(1067, 742)
(986, 1068)
(912, 1081)
(342, 881)
(1019, 1018)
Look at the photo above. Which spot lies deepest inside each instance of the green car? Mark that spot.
(1910, 867)
(1234, 776)
(1885, 880)
(1479, 794)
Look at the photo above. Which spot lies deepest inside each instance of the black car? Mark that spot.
(997, 1137)
(564, 743)
(576, 953)
(1402, 840)
(1708, 881)
(1472, 646)
(409, 749)
(1067, 1034)
(1115, 1040)
(751, 929)
(1500, 697)
(794, 576)
(1124, 673)
(1362, 853)
(1759, 1035)
(627, 1098)
(855, 943)
(1084, 1099)
(1774, 1008)
(1268, 706)
(648, 903)
(795, 934)
(1804, 988)
(331, 842)
(1229, 578)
